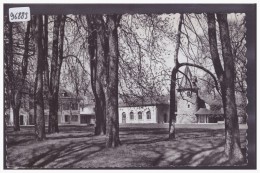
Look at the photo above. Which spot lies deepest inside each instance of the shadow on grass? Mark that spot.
(64, 156)
(18, 142)
(192, 154)
(187, 155)
(26, 134)
(76, 145)
(69, 136)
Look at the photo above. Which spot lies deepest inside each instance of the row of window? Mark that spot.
(140, 115)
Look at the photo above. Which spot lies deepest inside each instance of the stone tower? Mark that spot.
(188, 100)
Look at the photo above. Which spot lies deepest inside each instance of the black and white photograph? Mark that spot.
(114, 86)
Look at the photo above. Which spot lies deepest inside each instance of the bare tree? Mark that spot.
(16, 75)
(112, 82)
(54, 79)
(98, 68)
(104, 61)
(226, 78)
(142, 69)
(38, 87)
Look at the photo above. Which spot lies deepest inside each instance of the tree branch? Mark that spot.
(78, 61)
(186, 78)
(204, 69)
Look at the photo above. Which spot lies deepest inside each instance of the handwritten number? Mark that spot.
(18, 15)
(12, 16)
(26, 15)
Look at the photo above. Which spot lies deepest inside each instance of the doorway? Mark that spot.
(202, 118)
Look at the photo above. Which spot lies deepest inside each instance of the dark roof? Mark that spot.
(145, 101)
(205, 111)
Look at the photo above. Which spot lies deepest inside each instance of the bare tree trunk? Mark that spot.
(172, 119)
(92, 46)
(57, 58)
(38, 95)
(98, 55)
(16, 110)
(53, 110)
(101, 72)
(53, 114)
(100, 122)
(45, 45)
(232, 146)
(112, 81)
(226, 79)
(215, 56)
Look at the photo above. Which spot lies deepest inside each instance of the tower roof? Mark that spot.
(184, 81)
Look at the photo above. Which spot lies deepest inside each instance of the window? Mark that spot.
(188, 93)
(148, 115)
(131, 115)
(74, 118)
(74, 106)
(140, 115)
(123, 117)
(67, 118)
(188, 105)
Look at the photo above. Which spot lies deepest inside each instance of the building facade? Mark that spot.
(69, 109)
(148, 110)
(190, 107)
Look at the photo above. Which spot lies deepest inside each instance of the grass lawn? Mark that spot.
(142, 146)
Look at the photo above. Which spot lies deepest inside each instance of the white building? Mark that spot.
(148, 110)
(87, 114)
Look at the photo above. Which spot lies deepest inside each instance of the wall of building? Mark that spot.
(69, 111)
(73, 117)
(186, 107)
(135, 110)
(87, 113)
